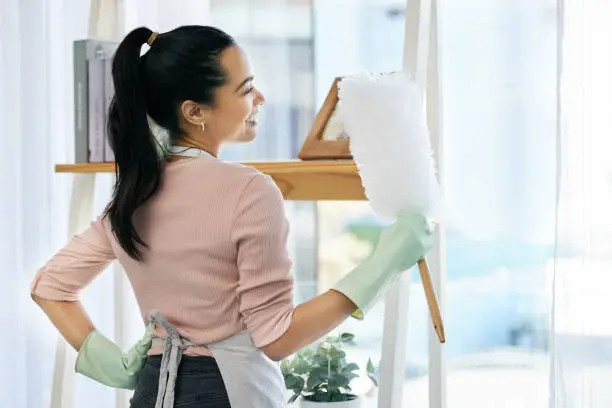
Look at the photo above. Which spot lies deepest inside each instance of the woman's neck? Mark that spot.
(199, 144)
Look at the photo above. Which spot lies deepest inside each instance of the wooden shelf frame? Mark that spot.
(320, 180)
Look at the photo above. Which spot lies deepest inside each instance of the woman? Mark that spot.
(202, 241)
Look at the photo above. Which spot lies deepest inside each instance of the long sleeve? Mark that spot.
(260, 231)
(75, 265)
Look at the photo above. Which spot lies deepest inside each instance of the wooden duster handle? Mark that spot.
(432, 301)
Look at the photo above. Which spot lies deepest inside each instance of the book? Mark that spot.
(90, 106)
(95, 108)
(109, 92)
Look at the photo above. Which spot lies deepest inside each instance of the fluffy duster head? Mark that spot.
(384, 118)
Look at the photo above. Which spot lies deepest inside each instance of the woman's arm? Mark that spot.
(266, 285)
(69, 318)
(311, 321)
(57, 284)
(56, 289)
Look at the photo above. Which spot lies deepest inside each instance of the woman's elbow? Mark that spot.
(41, 301)
(45, 302)
(274, 353)
(37, 299)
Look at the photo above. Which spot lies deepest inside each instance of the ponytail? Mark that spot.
(138, 162)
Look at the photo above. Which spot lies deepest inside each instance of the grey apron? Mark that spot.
(251, 379)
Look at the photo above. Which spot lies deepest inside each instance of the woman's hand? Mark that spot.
(102, 360)
(98, 358)
(399, 248)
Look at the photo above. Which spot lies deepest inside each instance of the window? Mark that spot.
(499, 75)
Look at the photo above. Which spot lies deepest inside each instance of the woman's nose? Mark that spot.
(259, 98)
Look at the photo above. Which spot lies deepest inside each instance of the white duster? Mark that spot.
(384, 117)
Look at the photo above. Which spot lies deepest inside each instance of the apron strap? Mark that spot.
(174, 345)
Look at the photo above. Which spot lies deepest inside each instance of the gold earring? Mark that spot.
(203, 126)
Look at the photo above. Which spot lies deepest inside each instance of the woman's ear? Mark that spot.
(194, 113)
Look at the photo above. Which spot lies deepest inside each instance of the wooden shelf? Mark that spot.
(298, 180)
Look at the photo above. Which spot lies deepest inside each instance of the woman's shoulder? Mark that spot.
(207, 165)
(237, 175)
(250, 180)
(234, 170)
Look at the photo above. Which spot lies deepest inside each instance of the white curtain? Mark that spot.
(36, 131)
(582, 297)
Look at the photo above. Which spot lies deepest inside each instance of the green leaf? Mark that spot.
(347, 337)
(314, 381)
(338, 381)
(350, 367)
(351, 376)
(337, 353)
(293, 382)
(370, 367)
(335, 364)
(290, 381)
(320, 360)
(371, 371)
(302, 367)
(320, 372)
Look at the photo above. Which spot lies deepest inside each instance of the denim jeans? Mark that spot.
(198, 384)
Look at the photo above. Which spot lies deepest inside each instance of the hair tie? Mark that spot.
(152, 38)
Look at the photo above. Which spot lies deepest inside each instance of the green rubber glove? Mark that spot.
(399, 248)
(102, 360)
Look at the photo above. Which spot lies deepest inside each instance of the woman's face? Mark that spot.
(234, 115)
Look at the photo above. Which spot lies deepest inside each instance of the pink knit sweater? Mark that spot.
(217, 262)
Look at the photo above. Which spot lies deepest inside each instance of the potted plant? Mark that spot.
(321, 374)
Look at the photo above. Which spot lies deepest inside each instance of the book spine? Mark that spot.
(96, 110)
(81, 100)
(109, 92)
